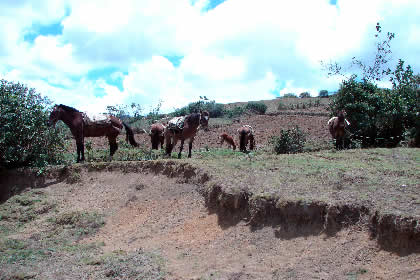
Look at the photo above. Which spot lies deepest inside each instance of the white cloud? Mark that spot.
(241, 50)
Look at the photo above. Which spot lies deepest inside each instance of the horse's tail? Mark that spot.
(130, 135)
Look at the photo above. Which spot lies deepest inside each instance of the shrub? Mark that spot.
(257, 107)
(281, 106)
(290, 95)
(180, 112)
(290, 141)
(323, 93)
(378, 117)
(215, 109)
(305, 95)
(235, 112)
(25, 138)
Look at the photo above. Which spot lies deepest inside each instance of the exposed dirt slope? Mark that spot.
(164, 207)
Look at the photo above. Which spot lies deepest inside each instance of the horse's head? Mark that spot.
(341, 116)
(55, 115)
(204, 119)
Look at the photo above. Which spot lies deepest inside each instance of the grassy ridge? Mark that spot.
(385, 179)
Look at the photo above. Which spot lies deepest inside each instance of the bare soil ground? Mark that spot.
(149, 213)
(264, 126)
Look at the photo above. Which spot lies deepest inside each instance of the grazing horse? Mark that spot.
(228, 140)
(336, 126)
(246, 133)
(81, 126)
(184, 128)
(157, 136)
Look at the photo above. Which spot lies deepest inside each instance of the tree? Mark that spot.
(323, 93)
(370, 73)
(379, 117)
(305, 94)
(290, 95)
(25, 138)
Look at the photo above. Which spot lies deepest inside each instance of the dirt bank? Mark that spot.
(203, 231)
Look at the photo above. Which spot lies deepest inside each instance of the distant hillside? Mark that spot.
(313, 104)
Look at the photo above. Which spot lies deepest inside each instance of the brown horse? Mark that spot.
(81, 127)
(336, 126)
(185, 129)
(157, 136)
(246, 134)
(224, 137)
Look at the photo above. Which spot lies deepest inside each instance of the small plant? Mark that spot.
(257, 107)
(290, 141)
(88, 146)
(281, 106)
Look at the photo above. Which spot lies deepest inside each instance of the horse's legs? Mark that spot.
(113, 146)
(80, 149)
(180, 148)
(190, 146)
(168, 139)
(162, 140)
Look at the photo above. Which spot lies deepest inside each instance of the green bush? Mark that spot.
(323, 93)
(290, 95)
(305, 95)
(180, 112)
(378, 117)
(215, 109)
(257, 107)
(290, 141)
(25, 138)
(234, 112)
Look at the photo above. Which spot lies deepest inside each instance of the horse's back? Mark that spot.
(157, 128)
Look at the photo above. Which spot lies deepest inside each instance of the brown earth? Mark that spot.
(164, 207)
(265, 126)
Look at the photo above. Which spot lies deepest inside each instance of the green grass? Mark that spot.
(388, 179)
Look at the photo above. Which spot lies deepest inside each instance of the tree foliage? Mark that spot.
(290, 95)
(323, 93)
(256, 107)
(215, 110)
(304, 94)
(290, 141)
(379, 117)
(25, 138)
(371, 72)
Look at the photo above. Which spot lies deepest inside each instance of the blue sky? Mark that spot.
(90, 54)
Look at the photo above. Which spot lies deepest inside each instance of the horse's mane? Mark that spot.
(68, 108)
(193, 118)
(340, 116)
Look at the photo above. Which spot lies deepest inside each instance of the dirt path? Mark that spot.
(159, 214)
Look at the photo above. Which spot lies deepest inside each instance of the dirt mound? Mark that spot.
(201, 231)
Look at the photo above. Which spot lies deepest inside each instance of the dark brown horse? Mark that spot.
(186, 130)
(246, 134)
(228, 139)
(157, 136)
(336, 126)
(81, 127)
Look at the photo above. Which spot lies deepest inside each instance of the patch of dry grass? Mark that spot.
(37, 241)
(385, 179)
